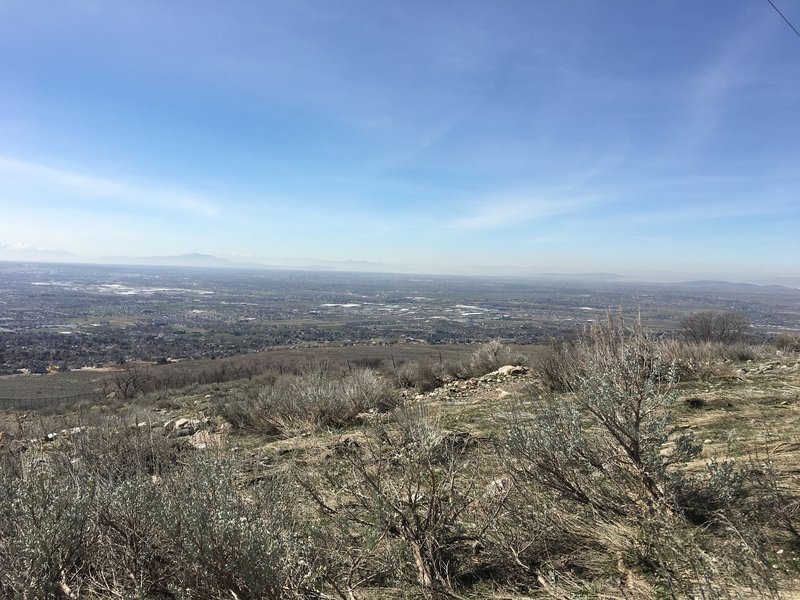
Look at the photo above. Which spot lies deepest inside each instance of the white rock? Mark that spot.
(203, 439)
(510, 370)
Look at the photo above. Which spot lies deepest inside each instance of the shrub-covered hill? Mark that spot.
(614, 466)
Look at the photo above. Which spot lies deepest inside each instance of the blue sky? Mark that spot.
(659, 139)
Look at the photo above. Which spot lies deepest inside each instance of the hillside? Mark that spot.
(426, 481)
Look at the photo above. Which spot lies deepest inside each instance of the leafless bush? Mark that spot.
(408, 492)
(711, 326)
(130, 381)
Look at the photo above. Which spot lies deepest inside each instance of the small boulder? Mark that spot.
(511, 370)
(203, 439)
(182, 427)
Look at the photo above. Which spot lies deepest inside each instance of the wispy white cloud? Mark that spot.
(501, 212)
(725, 74)
(31, 178)
(573, 195)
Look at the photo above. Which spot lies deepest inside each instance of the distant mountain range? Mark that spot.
(31, 254)
(194, 259)
(19, 253)
(583, 277)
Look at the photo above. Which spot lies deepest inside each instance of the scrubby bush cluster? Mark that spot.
(317, 400)
(124, 513)
(788, 342)
(404, 504)
(606, 456)
(704, 360)
(706, 346)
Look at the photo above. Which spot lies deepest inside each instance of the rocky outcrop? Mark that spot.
(490, 386)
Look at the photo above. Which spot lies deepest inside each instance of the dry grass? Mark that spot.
(317, 400)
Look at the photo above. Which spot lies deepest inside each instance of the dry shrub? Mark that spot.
(556, 367)
(773, 499)
(423, 376)
(375, 363)
(704, 360)
(787, 342)
(426, 376)
(485, 359)
(402, 504)
(491, 356)
(45, 532)
(310, 402)
(226, 541)
(657, 555)
(601, 446)
(598, 457)
(92, 518)
(564, 359)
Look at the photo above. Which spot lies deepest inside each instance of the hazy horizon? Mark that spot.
(33, 256)
(517, 138)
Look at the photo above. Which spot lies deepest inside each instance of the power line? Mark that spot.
(784, 18)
